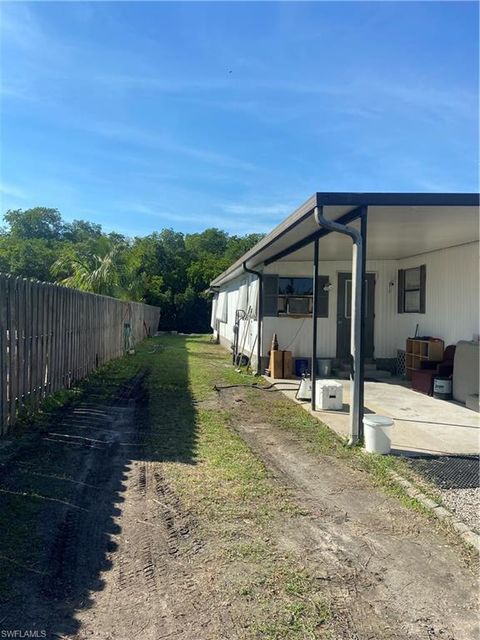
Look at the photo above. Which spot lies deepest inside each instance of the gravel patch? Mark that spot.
(465, 504)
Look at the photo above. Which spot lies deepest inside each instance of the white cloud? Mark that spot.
(200, 220)
(254, 210)
(163, 141)
(12, 191)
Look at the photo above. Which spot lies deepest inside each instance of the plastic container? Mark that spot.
(302, 365)
(324, 367)
(304, 391)
(377, 434)
(442, 388)
(328, 395)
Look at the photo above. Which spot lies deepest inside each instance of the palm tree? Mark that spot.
(96, 267)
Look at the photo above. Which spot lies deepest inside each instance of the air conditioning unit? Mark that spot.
(298, 306)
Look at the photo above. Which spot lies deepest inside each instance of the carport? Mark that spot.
(358, 227)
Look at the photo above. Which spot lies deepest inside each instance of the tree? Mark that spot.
(211, 241)
(81, 231)
(167, 268)
(29, 258)
(238, 245)
(39, 223)
(97, 268)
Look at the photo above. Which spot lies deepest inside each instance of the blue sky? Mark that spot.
(187, 115)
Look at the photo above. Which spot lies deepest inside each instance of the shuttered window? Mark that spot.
(284, 296)
(411, 289)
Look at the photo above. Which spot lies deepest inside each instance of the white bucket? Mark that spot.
(377, 433)
(442, 388)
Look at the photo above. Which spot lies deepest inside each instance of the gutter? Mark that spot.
(356, 332)
(259, 275)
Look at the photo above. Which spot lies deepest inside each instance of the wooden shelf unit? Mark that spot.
(417, 351)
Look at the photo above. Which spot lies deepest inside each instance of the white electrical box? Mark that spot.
(328, 395)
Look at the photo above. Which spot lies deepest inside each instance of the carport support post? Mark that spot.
(361, 359)
(357, 311)
(356, 346)
(313, 368)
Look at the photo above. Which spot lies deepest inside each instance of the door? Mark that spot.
(344, 307)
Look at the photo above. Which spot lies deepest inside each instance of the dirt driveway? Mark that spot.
(156, 507)
(389, 574)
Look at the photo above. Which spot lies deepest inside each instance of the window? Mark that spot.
(411, 290)
(242, 302)
(222, 306)
(284, 296)
(253, 296)
(295, 296)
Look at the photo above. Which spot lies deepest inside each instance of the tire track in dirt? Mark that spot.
(153, 589)
(389, 575)
(153, 583)
(121, 556)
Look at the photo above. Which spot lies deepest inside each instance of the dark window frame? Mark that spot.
(294, 295)
(403, 289)
(277, 304)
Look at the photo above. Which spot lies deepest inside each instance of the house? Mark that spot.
(351, 276)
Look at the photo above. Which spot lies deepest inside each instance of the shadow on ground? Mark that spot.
(62, 486)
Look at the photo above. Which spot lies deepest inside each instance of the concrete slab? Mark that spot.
(422, 424)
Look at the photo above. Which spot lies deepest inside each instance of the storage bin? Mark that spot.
(302, 365)
(442, 388)
(328, 395)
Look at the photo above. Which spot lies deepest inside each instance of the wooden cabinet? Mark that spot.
(418, 351)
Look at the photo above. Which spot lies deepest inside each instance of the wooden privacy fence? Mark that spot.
(52, 336)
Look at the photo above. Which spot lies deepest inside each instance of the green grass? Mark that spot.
(219, 480)
(321, 440)
(228, 489)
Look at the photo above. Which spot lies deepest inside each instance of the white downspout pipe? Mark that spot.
(355, 349)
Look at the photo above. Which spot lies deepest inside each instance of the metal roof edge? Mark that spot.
(405, 199)
(286, 225)
(341, 198)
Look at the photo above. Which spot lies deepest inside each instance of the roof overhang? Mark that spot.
(399, 225)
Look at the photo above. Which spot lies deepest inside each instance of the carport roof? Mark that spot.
(399, 225)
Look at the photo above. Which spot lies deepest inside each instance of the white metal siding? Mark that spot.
(452, 296)
(385, 310)
(452, 304)
(225, 329)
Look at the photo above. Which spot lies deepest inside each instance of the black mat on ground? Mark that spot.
(449, 472)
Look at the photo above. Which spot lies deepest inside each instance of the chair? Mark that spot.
(422, 379)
